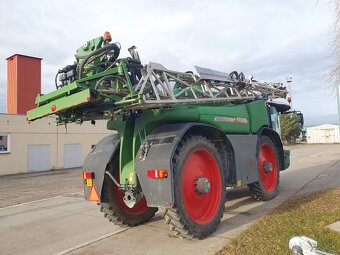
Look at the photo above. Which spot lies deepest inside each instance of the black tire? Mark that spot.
(296, 250)
(113, 206)
(268, 185)
(182, 217)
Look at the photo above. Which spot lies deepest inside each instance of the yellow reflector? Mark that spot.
(88, 182)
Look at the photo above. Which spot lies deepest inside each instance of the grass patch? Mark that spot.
(306, 216)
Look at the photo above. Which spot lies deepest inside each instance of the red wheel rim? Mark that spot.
(269, 180)
(139, 207)
(201, 208)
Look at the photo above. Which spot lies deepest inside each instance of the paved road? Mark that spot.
(44, 213)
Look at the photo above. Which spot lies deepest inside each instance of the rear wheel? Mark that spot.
(268, 185)
(114, 207)
(199, 189)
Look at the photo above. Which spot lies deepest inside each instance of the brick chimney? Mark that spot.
(23, 83)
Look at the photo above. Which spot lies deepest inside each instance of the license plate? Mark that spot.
(88, 182)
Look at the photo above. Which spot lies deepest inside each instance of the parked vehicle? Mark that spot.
(181, 139)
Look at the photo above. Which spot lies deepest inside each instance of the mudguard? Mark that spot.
(282, 153)
(97, 160)
(156, 153)
(245, 169)
(159, 147)
(158, 150)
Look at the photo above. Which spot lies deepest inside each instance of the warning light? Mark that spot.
(87, 175)
(157, 173)
(88, 178)
(107, 36)
(53, 108)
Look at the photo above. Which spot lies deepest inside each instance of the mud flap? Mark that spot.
(283, 154)
(97, 160)
(156, 153)
(245, 169)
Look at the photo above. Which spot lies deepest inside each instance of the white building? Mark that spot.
(326, 133)
(41, 145)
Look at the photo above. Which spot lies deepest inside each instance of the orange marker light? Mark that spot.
(107, 36)
(157, 173)
(53, 108)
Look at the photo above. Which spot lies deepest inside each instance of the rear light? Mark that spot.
(87, 175)
(157, 173)
(88, 178)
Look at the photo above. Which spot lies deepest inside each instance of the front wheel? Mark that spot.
(268, 185)
(199, 188)
(114, 207)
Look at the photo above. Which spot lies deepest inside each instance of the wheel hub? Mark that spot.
(202, 185)
(267, 167)
(129, 199)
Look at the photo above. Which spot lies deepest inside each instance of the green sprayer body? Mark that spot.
(155, 111)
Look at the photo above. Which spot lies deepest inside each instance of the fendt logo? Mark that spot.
(237, 120)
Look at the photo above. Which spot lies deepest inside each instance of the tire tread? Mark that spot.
(173, 215)
(256, 189)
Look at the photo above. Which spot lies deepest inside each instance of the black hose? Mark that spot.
(103, 79)
(109, 47)
(56, 79)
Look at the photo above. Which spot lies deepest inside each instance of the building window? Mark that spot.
(4, 143)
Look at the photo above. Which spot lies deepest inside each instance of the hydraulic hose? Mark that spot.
(102, 50)
(56, 79)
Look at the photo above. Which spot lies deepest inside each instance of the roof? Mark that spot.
(323, 126)
(22, 56)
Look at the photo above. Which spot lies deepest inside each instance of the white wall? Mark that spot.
(326, 133)
(22, 133)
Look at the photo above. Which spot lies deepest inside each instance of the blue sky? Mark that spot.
(270, 40)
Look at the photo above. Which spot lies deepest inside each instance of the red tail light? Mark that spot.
(157, 173)
(87, 175)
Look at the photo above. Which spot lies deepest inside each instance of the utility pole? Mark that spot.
(289, 80)
(338, 98)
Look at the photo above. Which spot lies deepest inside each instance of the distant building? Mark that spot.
(327, 133)
(41, 145)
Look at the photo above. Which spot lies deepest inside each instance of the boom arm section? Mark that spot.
(99, 85)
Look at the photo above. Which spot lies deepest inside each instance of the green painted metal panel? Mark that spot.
(258, 115)
(86, 80)
(89, 47)
(60, 104)
(133, 129)
(228, 118)
(66, 90)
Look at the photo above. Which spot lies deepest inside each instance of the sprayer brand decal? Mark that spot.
(237, 120)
